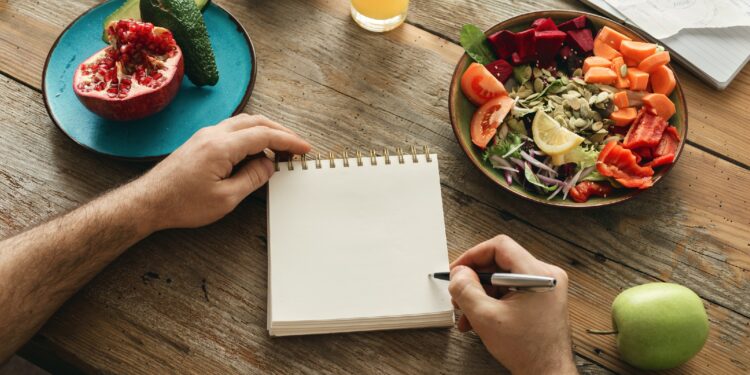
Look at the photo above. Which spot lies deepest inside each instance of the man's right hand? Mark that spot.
(527, 332)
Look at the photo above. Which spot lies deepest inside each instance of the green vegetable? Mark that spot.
(475, 43)
(522, 73)
(594, 176)
(502, 149)
(534, 180)
(584, 157)
(185, 21)
(131, 9)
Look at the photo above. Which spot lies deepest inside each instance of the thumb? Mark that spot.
(466, 290)
(250, 176)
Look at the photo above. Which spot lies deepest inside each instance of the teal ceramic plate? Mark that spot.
(461, 111)
(158, 135)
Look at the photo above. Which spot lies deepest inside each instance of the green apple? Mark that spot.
(659, 325)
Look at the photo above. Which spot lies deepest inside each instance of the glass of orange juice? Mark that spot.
(379, 15)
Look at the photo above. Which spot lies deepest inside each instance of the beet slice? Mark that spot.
(525, 47)
(548, 43)
(582, 40)
(573, 24)
(544, 24)
(504, 43)
(501, 69)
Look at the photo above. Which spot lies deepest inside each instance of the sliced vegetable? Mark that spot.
(611, 37)
(501, 69)
(582, 40)
(487, 118)
(620, 163)
(663, 81)
(544, 24)
(624, 116)
(573, 24)
(620, 99)
(599, 74)
(593, 61)
(534, 179)
(638, 79)
(583, 190)
(604, 50)
(664, 152)
(504, 43)
(646, 131)
(654, 61)
(475, 43)
(618, 65)
(479, 85)
(660, 104)
(526, 47)
(637, 51)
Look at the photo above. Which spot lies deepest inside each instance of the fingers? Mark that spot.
(467, 292)
(245, 121)
(253, 140)
(249, 177)
(501, 252)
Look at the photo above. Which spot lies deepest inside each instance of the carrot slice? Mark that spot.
(604, 50)
(618, 65)
(611, 37)
(637, 51)
(624, 116)
(593, 61)
(620, 99)
(663, 81)
(638, 79)
(654, 61)
(599, 74)
(630, 62)
(660, 104)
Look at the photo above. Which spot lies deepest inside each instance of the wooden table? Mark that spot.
(195, 300)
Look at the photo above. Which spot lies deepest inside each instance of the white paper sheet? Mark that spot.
(665, 18)
(356, 243)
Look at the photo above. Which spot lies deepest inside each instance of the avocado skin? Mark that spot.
(184, 20)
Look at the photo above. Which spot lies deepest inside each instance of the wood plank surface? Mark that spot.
(149, 311)
(338, 85)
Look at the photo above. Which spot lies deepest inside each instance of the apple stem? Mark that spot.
(601, 332)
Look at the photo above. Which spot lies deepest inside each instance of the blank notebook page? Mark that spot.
(350, 248)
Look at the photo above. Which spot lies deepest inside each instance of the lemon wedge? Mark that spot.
(553, 139)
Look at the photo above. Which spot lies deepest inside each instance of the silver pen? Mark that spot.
(510, 280)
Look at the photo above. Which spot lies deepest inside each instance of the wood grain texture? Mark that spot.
(338, 85)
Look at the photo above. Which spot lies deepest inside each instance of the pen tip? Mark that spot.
(429, 275)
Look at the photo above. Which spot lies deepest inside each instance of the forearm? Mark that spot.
(44, 266)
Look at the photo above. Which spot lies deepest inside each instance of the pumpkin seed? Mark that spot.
(538, 85)
(578, 73)
(537, 72)
(602, 97)
(623, 70)
(579, 81)
(597, 126)
(574, 103)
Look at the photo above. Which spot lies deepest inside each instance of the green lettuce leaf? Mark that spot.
(475, 43)
(502, 148)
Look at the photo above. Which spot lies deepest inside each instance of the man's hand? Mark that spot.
(527, 332)
(198, 184)
(202, 181)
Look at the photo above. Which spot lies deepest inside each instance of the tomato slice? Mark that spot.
(479, 85)
(487, 118)
(620, 163)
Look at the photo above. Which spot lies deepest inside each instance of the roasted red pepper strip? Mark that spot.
(646, 131)
(581, 192)
(620, 163)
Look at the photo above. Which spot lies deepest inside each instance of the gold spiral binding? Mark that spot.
(303, 158)
(345, 156)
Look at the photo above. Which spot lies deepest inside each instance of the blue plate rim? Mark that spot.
(237, 111)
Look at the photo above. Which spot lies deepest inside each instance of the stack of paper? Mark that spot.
(351, 247)
(711, 38)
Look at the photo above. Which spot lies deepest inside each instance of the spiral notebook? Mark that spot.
(351, 241)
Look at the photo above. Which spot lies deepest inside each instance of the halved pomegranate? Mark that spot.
(137, 75)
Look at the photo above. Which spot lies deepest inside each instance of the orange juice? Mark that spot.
(379, 15)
